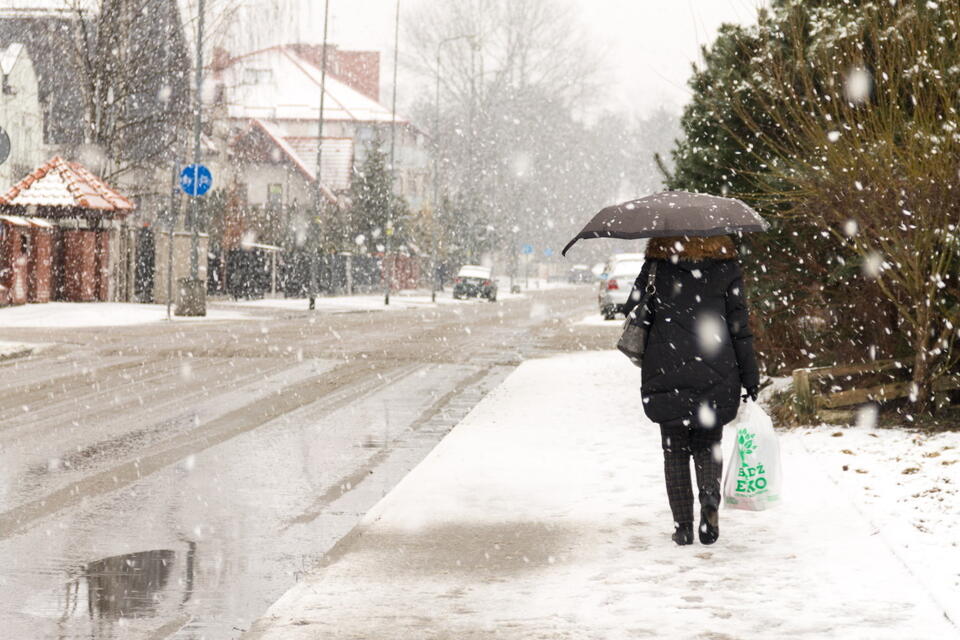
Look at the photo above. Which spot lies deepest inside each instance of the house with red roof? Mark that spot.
(43, 107)
(78, 248)
(267, 109)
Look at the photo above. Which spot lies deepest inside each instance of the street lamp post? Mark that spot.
(388, 267)
(318, 191)
(436, 166)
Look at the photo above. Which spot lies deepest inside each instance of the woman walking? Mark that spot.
(699, 353)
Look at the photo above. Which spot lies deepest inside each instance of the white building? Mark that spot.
(20, 114)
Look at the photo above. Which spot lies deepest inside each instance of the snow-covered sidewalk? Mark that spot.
(399, 301)
(543, 515)
(98, 314)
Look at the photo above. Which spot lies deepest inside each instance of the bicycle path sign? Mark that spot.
(196, 180)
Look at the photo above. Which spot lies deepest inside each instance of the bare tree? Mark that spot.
(513, 47)
(131, 58)
(513, 158)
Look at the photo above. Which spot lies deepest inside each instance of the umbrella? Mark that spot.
(672, 213)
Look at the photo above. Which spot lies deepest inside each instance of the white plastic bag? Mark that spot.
(754, 477)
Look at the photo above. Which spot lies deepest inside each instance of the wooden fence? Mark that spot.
(823, 388)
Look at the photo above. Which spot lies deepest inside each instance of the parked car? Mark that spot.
(616, 282)
(474, 281)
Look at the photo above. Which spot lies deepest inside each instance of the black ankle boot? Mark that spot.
(709, 524)
(709, 472)
(683, 533)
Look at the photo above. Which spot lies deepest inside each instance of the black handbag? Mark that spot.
(633, 341)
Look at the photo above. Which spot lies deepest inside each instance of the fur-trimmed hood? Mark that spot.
(691, 249)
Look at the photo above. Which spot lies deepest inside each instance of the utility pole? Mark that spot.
(435, 286)
(174, 178)
(194, 294)
(318, 191)
(174, 194)
(388, 270)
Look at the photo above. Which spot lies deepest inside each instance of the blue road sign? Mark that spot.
(548, 252)
(195, 179)
(526, 249)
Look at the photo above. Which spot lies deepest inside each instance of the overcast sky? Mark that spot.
(650, 44)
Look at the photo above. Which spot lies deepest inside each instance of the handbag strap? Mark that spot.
(651, 278)
(648, 292)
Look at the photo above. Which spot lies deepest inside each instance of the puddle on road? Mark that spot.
(131, 586)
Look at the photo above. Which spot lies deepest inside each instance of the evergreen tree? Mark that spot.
(800, 294)
(838, 120)
(373, 205)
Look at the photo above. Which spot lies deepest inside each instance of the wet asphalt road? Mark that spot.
(163, 481)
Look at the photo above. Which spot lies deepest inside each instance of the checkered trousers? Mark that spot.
(680, 443)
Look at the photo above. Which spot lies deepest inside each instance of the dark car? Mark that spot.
(474, 281)
(579, 274)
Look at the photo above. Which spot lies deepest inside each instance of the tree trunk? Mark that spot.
(923, 374)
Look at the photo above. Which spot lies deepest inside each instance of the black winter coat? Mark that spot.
(700, 349)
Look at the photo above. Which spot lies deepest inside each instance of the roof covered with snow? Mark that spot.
(278, 84)
(68, 185)
(474, 271)
(301, 157)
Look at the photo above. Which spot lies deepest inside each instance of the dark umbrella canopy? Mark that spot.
(672, 213)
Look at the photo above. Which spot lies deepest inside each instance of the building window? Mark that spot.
(274, 195)
(257, 76)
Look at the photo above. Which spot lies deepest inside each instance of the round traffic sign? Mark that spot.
(196, 179)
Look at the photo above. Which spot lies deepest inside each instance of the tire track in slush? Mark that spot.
(50, 416)
(330, 391)
(339, 487)
(99, 395)
(171, 412)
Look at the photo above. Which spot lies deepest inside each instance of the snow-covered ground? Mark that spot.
(596, 320)
(115, 314)
(98, 314)
(533, 284)
(906, 484)
(345, 304)
(543, 515)
(367, 302)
